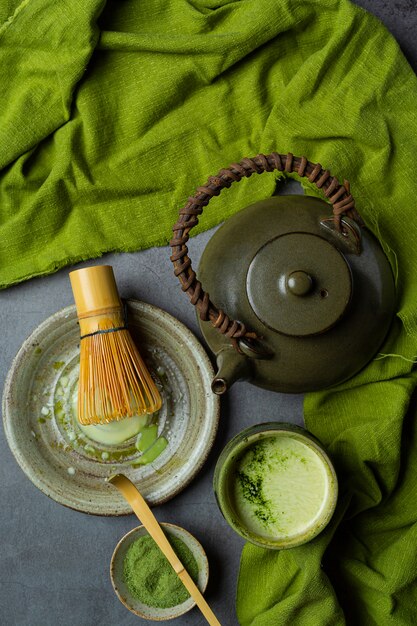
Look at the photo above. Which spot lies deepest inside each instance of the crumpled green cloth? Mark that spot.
(111, 114)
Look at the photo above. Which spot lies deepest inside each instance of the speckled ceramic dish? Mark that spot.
(123, 593)
(59, 458)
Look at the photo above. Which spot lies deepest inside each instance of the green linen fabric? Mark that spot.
(111, 114)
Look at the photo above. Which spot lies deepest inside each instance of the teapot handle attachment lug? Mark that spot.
(337, 194)
(254, 348)
(347, 238)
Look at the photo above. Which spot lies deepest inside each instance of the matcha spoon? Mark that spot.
(147, 518)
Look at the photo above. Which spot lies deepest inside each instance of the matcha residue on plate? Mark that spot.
(149, 576)
(134, 441)
(149, 444)
(147, 437)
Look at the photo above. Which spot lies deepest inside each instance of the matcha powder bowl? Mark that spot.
(275, 485)
(145, 582)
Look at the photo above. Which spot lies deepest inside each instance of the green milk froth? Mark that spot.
(149, 576)
(280, 486)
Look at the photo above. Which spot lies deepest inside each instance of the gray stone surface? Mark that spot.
(54, 562)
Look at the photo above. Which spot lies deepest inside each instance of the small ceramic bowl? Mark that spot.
(122, 591)
(275, 485)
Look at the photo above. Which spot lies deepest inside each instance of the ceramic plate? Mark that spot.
(59, 458)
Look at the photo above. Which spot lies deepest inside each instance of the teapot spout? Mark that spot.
(232, 366)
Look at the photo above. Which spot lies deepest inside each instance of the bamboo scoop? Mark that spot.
(147, 518)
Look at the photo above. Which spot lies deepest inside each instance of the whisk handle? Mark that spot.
(95, 291)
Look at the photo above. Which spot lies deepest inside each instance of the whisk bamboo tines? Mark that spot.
(114, 381)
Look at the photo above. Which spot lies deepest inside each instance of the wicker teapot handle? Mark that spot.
(338, 195)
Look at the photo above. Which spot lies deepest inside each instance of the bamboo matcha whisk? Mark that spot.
(114, 381)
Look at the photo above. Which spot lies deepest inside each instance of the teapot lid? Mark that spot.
(299, 284)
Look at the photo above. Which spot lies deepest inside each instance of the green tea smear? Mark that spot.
(251, 483)
(149, 576)
(281, 487)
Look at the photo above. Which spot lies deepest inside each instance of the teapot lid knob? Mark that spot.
(299, 283)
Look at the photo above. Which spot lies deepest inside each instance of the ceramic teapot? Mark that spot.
(299, 299)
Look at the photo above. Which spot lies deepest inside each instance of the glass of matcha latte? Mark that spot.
(275, 485)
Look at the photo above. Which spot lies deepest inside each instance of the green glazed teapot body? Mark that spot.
(319, 301)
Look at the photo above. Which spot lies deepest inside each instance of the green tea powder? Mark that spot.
(149, 576)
